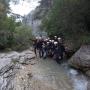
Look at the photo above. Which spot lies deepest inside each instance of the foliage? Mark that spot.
(12, 34)
(3, 8)
(22, 37)
(69, 18)
(6, 32)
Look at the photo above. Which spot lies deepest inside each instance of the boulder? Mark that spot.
(69, 48)
(81, 59)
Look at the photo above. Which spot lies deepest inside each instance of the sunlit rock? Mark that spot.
(10, 63)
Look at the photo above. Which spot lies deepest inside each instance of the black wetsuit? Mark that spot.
(39, 46)
(52, 49)
(61, 50)
(58, 52)
(44, 48)
(35, 46)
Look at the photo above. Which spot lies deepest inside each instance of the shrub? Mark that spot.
(22, 37)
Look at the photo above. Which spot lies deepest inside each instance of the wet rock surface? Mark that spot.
(22, 71)
(48, 75)
(10, 64)
(44, 75)
(81, 59)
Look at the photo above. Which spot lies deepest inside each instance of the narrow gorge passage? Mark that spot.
(48, 75)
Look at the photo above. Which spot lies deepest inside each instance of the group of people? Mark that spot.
(49, 48)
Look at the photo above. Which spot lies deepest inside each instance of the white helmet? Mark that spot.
(48, 38)
(52, 41)
(59, 38)
(47, 42)
(40, 38)
(37, 37)
(55, 43)
(55, 36)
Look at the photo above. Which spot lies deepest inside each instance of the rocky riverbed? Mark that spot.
(22, 71)
(10, 64)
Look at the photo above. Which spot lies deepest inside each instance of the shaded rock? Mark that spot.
(69, 48)
(81, 59)
(88, 73)
(6, 69)
(88, 86)
(29, 75)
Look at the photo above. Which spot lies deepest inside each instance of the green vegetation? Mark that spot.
(22, 37)
(70, 19)
(13, 35)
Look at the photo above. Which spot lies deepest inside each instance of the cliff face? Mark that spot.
(46, 4)
(42, 10)
(34, 19)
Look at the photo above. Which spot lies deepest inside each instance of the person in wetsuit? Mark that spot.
(35, 45)
(39, 46)
(61, 48)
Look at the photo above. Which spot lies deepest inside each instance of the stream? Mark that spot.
(78, 79)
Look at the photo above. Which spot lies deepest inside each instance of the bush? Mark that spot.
(4, 35)
(13, 35)
(22, 37)
(70, 18)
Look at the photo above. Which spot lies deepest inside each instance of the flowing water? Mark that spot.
(60, 76)
(78, 79)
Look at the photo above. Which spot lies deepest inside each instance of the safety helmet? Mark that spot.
(37, 37)
(55, 43)
(48, 38)
(48, 42)
(59, 38)
(55, 36)
(52, 40)
(40, 38)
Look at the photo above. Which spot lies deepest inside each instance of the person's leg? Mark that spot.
(39, 53)
(35, 51)
(61, 56)
(45, 54)
(58, 59)
(42, 52)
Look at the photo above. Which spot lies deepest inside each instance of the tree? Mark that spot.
(69, 18)
(12, 33)
(22, 37)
